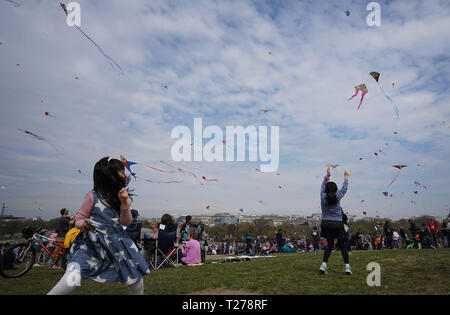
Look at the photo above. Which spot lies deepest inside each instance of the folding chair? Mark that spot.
(166, 251)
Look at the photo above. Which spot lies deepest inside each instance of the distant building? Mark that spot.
(225, 218)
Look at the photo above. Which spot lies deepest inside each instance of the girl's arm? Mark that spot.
(324, 182)
(85, 211)
(125, 214)
(340, 194)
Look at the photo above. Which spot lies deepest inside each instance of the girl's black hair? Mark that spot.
(108, 182)
(331, 190)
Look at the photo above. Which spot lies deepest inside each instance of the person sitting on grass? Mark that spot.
(190, 252)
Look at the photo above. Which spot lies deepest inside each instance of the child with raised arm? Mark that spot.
(332, 226)
(104, 253)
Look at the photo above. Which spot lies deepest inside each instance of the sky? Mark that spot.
(224, 61)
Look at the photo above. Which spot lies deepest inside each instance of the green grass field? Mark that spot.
(402, 272)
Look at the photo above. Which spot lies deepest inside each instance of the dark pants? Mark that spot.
(343, 247)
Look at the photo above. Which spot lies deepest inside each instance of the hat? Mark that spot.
(134, 213)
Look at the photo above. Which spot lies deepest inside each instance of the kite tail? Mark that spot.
(158, 170)
(182, 171)
(356, 93)
(168, 182)
(114, 64)
(397, 113)
(362, 97)
(394, 179)
(210, 180)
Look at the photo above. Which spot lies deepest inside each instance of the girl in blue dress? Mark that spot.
(105, 252)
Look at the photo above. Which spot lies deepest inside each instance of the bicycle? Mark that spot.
(19, 258)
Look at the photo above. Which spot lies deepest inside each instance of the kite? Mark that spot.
(360, 159)
(385, 193)
(376, 76)
(130, 163)
(347, 12)
(393, 84)
(114, 64)
(270, 52)
(279, 187)
(209, 180)
(79, 171)
(333, 165)
(364, 212)
(13, 3)
(49, 115)
(38, 138)
(363, 88)
(242, 210)
(399, 169)
(265, 110)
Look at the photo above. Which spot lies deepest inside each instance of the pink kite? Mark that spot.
(358, 88)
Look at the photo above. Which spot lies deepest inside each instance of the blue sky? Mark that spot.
(214, 58)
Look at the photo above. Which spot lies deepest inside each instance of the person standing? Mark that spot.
(433, 228)
(315, 238)
(105, 253)
(279, 238)
(248, 240)
(332, 226)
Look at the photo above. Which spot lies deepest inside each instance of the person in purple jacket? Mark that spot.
(190, 251)
(332, 226)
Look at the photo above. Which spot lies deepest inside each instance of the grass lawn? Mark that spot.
(402, 272)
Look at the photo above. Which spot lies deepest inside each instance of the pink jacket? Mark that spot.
(191, 254)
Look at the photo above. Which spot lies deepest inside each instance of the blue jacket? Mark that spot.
(332, 212)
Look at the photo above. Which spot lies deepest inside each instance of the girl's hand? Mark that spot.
(328, 171)
(123, 196)
(346, 174)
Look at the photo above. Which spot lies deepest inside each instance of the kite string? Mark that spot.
(150, 181)
(111, 61)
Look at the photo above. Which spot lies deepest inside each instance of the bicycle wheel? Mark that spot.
(17, 260)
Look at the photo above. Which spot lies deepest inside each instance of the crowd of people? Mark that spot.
(106, 243)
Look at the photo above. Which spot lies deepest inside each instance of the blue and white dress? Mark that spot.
(107, 254)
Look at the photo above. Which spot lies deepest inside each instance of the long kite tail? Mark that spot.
(397, 113)
(356, 93)
(114, 64)
(182, 171)
(394, 179)
(151, 181)
(362, 97)
(157, 169)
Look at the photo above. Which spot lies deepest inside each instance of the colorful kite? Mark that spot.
(38, 138)
(130, 163)
(363, 88)
(114, 64)
(399, 169)
(376, 76)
